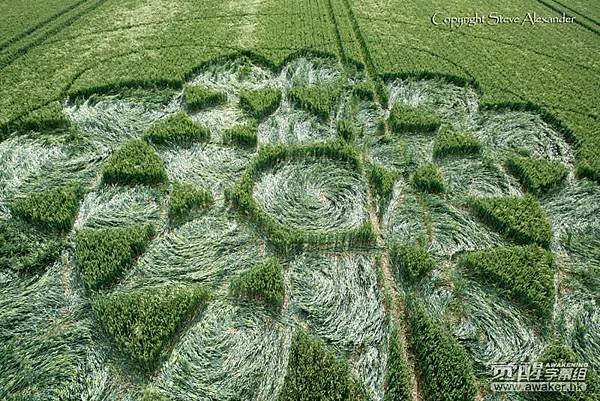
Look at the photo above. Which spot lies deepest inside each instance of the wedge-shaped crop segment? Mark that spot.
(242, 135)
(428, 178)
(103, 255)
(364, 90)
(404, 118)
(24, 249)
(144, 322)
(588, 163)
(346, 130)
(46, 118)
(518, 218)
(447, 374)
(558, 352)
(411, 262)
(382, 182)
(320, 100)
(262, 283)
(397, 379)
(259, 104)
(186, 199)
(53, 209)
(178, 129)
(316, 373)
(524, 273)
(202, 97)
(134, 163)
(453, 143)
(537, 175)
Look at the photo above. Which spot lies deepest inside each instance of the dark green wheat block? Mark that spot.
(201, 97)
(261, 103)
(177, 129)
(404, 118)
(135, 163)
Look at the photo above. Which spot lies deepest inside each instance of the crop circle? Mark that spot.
(314, 195)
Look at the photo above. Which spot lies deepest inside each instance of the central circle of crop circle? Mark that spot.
(313, 194)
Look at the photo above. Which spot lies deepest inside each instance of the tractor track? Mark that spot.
(45, 31)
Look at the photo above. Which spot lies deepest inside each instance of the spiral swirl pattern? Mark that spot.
(313, 195)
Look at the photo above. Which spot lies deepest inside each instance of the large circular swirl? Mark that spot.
(314, 195)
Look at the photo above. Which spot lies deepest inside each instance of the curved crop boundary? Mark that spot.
(283, 237)
(22, 123)
(457, 80)
(585, 167)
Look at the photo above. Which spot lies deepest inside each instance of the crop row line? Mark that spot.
(580, 14)
(392, 297)
(40, 25)
(578, 22)
(338, 35)
(167, 22)
(13, 56)
(380, 93)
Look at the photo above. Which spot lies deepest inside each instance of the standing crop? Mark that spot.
(52, 209)
(558, 353)
(49, 117)
(103, 255)
(404, 118)
(259, 104)
(428, 178)
(449, 142)
(364, 90)
(242, 135)
(382, 182)
(346, 130)
(134, 163)
(524, 274)
(411, 262)
(201, 97)
(23, 249)
(177, 129)
(316, 99)
(187, 199)
(316, 373)
(144, 322)
(519, 218)
(444, 364)
(397, 381)
(262, 283)
(537, 175)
